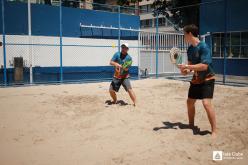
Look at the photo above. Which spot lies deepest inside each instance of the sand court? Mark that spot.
(76, 124)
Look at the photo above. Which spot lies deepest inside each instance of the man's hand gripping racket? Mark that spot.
(177, 59)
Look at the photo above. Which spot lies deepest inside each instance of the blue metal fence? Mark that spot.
(53, 29)
(54, 40)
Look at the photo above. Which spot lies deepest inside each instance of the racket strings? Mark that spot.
(176, 56)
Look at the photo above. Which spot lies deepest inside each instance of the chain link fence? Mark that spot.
(70, 41)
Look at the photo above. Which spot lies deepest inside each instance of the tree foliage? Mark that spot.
(179, 12)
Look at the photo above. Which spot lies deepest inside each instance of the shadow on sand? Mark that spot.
(119, 102)
(179, 125)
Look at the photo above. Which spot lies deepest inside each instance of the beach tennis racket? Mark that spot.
(126, 65)
(176, 56)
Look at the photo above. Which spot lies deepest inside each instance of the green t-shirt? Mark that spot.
(201, 54)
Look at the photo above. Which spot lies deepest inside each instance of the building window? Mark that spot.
(149, 8)
(236, 45)
(146, 23)
(145, 8)
(142, 9)
(161, 21)
(244, 42)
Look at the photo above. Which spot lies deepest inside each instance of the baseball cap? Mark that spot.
(124, 45)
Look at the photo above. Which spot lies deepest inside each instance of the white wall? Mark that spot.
(72, 55)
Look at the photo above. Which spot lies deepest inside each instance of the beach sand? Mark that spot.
(74, 124)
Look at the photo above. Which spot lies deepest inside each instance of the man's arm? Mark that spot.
(113, 63)
(203, 65)
(197, 67)
(183, 70)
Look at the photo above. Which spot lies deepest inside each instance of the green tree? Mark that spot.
(179, 12)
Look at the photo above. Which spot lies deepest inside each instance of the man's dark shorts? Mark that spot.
(202, 91)
(116, 84)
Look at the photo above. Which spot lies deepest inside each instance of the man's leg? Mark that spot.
(114, 87)
(191, 111)
(127, 85)
(132, 96)
(211, 115)
(113, 96)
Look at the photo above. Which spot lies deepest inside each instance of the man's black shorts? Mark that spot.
(202, 91)
(116, 84)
